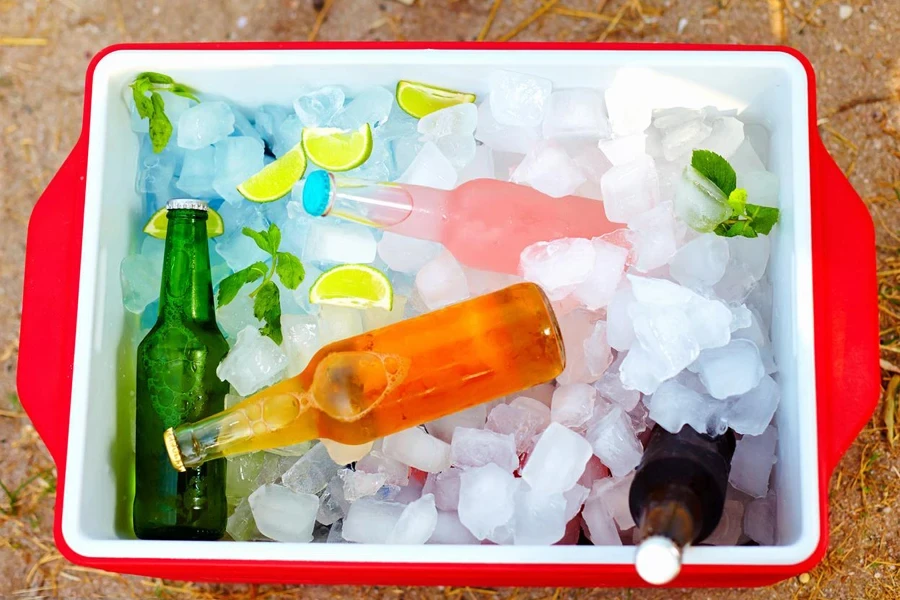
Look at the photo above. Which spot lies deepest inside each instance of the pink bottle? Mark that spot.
(485, 223)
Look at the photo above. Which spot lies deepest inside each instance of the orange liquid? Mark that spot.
(375, 384)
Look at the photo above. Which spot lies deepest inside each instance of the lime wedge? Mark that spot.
(337, 149)
(420, 99)
(357, 286)
(157, 224)
(277, 178)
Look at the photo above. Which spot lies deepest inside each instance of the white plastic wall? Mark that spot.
(767, 87)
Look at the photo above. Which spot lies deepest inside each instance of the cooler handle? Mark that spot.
(50, 302)
(848, 378)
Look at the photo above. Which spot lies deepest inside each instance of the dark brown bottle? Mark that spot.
(677, 496)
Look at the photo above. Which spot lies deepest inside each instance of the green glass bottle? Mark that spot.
(177, 383)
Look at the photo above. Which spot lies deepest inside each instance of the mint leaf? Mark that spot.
(231, 285)
(267, 308)
(142, 85)
(290, 270)
(274, 237)
(160, 127)
(716, 169)
(155, 77)
(261, 238)
(142, 103)
(185, 91)
(737, 200)
(738, 228)
(763, 218)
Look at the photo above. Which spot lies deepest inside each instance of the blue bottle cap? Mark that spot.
(317, 193)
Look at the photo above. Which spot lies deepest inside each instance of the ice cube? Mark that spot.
(628, 102)
(700, 263)
(729, 529)
(485, 282)
(752, 463)
(762, 187)
(478, 447)
(282, 514)
(481, 166)
(519, 99)
(237, 314)
(236, 159)
(442, 282)
(395, 472)
(630, 189)
(241, 475)
(198, 172)
(746, 266)
(240, 525)
(727, 134)
(540, 518)
(344, 454)
(406, 254)
(372, 106)
(359, 484)
(444, 427)
(239, 251)
(675, 405)
(759, 520)
(699, 202)
(287, 136)
(155, 172)
(575, 497)
(300, 341)
(573, 404)
(338, 323)
(750, 413)
(548, 169)
(205, 124)
(329, 243)
(450, 530)
(267, 119)
(417, 449)
(140, 276)
(416, 524)
(253, 363)
(517, 138)
(557, 461)
(652, 235)
(619, 331)
(371, 521)
(332, 504)
(731, 370)
(336, 533)
(459, 119)
(745, 160)
(609, 386)
(430, 168)
(486, 499)
(601, 527)
(446, 488)
(576, 113)
(681, 139)
(458, 149)
(273, 467)
(558, 266)
(312, 471)
(613, 493)
(521, 422)
(316, 108)
(623, 150)
(576, 328)
(612, 438)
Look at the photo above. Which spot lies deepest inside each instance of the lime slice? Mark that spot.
(156, 225)
(358, 286)
(277, 178)
(337, 149)
(420, 99)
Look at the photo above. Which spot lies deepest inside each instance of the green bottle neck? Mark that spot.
(186, 292)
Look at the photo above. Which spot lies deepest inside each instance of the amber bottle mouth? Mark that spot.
(555, 332)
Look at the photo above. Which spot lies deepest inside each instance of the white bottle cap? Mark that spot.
(189, 203)
(658, 560)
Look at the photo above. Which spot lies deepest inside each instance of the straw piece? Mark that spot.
(23, 41)
(528, 21)
(323, 14)
(486, 28)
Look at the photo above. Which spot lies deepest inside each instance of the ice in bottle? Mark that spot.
(371, 385)
(485, 223)
(677, 496)
(177, 383)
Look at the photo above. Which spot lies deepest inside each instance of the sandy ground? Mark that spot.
(46, 45)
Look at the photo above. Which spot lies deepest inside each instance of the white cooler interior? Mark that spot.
(766, 87)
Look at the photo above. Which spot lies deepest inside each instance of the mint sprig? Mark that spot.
(746, 220)
(152, 107)
(266, 296)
